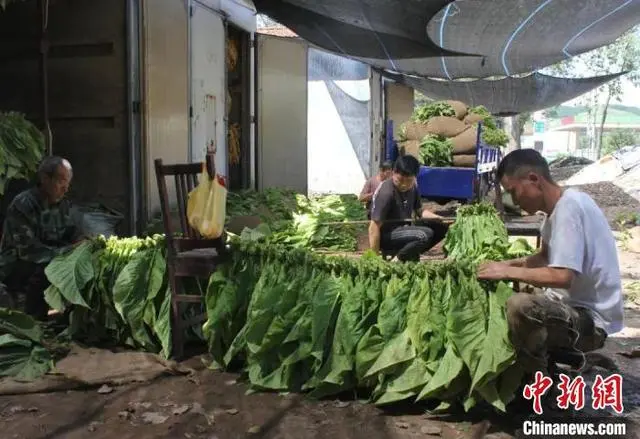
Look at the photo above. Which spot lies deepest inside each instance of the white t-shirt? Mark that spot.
(579, 238)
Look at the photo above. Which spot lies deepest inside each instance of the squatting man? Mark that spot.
(38, 227)
(576, 268)
(396, 202)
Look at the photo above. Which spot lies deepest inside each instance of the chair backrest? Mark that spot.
(185, 177)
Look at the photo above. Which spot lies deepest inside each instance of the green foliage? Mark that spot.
(433, 109)
(116, 291)
(23, 355)
(436, 151)
(491, 134)
(296, 220)
(21, 148)
(479, 234)
(619, 139)
(296, 321)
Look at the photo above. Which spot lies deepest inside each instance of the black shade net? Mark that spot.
(519, 36)
(325, 66)
(508, 96)
(377, 29)
(426, 37)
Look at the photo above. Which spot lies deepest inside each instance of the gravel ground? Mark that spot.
(612, 199)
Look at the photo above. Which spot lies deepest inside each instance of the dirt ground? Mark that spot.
(212, 405)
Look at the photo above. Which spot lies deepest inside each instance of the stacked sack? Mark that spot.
(453, 126)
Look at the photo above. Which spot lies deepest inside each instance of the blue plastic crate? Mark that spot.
(455, 183)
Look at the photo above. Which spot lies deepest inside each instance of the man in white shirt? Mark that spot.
(577, 267)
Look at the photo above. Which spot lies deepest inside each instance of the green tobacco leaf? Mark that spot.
(135, 288)
(71, 272)
(162, 326)
(55, 299)
(20, 325)
(21, 354)
(497, 352)
(23, 360)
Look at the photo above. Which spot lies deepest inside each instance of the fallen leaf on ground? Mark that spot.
(198, 409)
(402, 425)
(231, 411)
(139, 405)
(181, 410)
(124, 414)
(105, 389)
(431, 430)
(254, 430)
(154, 418)
(633, 353)
(341, 404)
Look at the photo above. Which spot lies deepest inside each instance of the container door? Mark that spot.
(208, 85)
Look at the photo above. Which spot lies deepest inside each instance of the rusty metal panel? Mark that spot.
(166, 102)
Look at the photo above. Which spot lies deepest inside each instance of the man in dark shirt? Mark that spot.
(38, 227)
(395, 201)
(366, 195)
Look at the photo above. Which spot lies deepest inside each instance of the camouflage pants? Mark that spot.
(29, 279)
(539, 325)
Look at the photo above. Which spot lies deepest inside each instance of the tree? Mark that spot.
(622, 55)
(515, 125)
(619, 139)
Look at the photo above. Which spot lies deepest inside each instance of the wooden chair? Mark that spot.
(188, 254)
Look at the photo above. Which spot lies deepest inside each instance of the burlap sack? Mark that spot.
(445, 126)
(410, 147)
(460, 108)
(472, 118)
(466, 141)
(415, 130)
(464, 160)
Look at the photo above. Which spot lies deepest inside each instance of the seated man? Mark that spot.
(577, 267)
(38, 227)
(395, 201)
(372, 184)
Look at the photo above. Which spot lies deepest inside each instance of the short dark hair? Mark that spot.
(49, 166)
(407, 165)
(521, 161)
(386, 165)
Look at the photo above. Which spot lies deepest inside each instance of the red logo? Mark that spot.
(536, 390)
(571, 392)
(606, 392)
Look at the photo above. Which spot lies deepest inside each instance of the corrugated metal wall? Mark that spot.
(282, 113)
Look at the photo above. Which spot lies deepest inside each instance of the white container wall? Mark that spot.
(166, 91)
(208, 86)
(282, 113)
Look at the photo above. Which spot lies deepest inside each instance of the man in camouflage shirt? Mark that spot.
(38, 226)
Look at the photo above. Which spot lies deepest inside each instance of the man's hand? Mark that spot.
(427, 214)
(494, 271)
